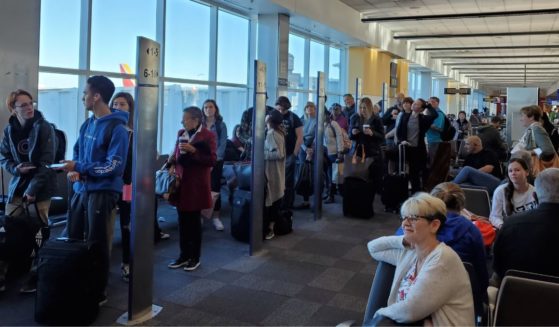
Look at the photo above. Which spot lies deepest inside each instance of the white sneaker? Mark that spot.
(218, 224)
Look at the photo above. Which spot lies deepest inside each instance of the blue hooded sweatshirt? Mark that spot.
(100, 153)
(465, 239)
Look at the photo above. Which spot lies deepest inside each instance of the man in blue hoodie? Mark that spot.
(96, 170)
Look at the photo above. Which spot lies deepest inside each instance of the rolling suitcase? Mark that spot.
(358, 198)
(240, 215)
(69, 283)
(395, 186)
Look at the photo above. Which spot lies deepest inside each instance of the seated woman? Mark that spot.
(430, 282)
(459, 233)
(516, 195)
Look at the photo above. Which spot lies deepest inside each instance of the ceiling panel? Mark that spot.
(474, 25)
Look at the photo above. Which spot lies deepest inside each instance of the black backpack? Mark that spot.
(60, 144)
(448, 132)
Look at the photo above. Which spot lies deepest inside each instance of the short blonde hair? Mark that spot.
(424, 205)
(451, 194)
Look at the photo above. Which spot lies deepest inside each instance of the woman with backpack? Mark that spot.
(124, 102)
(334, 151)
(28, 147)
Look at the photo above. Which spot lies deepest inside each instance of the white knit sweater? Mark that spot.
(442, 289)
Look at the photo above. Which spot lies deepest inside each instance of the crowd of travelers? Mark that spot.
(437, 233)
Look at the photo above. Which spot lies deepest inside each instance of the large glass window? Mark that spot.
(334, 74)
(114, 29)
(59, 100)
(178, 96)
(60, 33)
(187, 42)
(232, 101)
(296, 64)
(316, 63)
(232, 48)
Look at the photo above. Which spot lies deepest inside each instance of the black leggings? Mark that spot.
(190, 234)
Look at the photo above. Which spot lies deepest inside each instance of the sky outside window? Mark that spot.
(232, 48)
(187, 48)
(296, 66)
(316, 63)
(114, 30)
(60, 33)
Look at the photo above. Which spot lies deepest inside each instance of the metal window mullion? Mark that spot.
(252, 51)
(160, 33)
(212, 76)
(307, 55)
(326, 68)
(84, 62)
(344, 58)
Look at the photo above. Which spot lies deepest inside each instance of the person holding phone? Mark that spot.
(26, 150)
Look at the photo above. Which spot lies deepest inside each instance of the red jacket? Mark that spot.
(194, 171)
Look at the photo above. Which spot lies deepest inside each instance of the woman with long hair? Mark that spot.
(124, 101)
(462, 126)
(274, 156)
(367, 131)
(516, 195)
(213, 121)
(333, 149)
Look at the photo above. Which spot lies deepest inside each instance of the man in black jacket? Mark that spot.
(411, 127)
(526, 240)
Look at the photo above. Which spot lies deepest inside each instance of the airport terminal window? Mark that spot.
(178, 96)
(115, 26)
(232, 48)
(232, 101)
(59, 100)
(60, 33)
(316, 63)
(187, 40)
(334, 85)
(296, 64)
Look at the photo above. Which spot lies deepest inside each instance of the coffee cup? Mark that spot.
(366, 126)
(182, 140)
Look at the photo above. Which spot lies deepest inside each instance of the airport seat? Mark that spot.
(380, 290)
(477, 201)
(480, 299)
(526, 302)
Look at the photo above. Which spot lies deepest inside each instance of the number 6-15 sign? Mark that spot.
(148, 62)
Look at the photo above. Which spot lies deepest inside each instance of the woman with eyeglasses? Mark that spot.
(431, 285)
(29, 145)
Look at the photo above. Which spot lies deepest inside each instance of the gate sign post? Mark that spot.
(258, 163)
(319, 147)
(140, 292)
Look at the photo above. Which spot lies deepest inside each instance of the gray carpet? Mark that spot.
(318, 275)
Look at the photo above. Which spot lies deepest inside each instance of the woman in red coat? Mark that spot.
(193, 159)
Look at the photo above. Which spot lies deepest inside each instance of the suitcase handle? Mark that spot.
(401, 159)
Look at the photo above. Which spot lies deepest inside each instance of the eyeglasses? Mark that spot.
(25, 105)
(413, 219)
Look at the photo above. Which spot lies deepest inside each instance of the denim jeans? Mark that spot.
(470, 175)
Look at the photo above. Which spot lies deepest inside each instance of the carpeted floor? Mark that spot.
(318, 275)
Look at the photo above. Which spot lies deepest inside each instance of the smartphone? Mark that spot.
(56, 165)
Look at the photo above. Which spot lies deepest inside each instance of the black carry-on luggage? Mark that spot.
(69, 282)
(358, 198)
(240, 215)
(395, 186)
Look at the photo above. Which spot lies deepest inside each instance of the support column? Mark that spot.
(273, 50)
